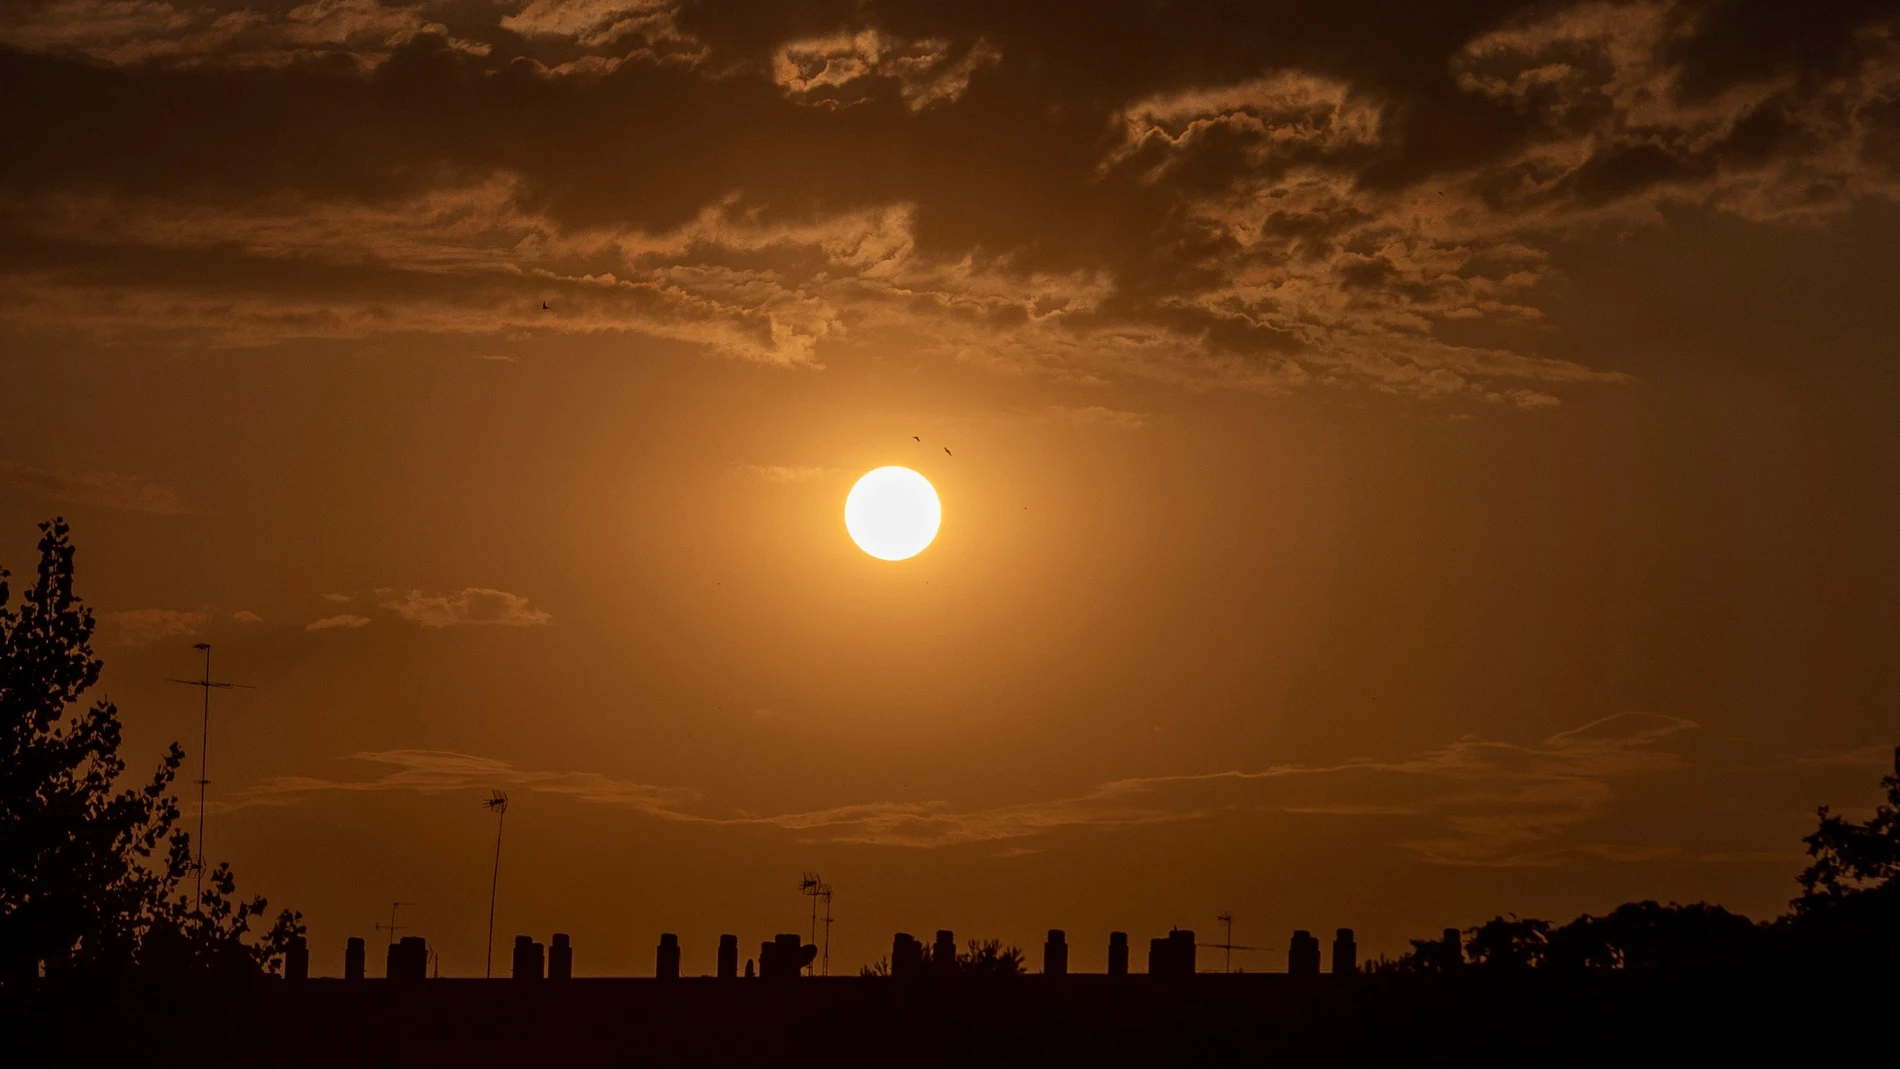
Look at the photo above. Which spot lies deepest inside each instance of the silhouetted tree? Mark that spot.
(91, 874)
(1850, 858)
(1508, 944)
(1635, 936)
(1649, 936)
(1426, 956)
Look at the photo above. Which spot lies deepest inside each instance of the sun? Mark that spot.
(893, 513)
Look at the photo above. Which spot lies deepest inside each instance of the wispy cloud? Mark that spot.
(126, 32)
(1097, 416)
(835, 69)
(246, 616)
(781, 473)
(470, 605)
(1481, 802)
(347, 621)
(126, 493)
(137, 627)
(1877, 756)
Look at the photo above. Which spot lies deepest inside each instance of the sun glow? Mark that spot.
(893, 513)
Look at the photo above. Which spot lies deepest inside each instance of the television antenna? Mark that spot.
(815, 888)
(826, 892)
(1228, 946)
(496, 803)
(392, 927)
(207, 685)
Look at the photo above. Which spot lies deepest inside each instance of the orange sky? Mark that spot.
(1407, 466)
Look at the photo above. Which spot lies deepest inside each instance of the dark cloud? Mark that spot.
(1262, 197)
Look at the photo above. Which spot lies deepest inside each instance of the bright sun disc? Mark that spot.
(892, 513)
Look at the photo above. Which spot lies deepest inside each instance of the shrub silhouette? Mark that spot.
(988, 957)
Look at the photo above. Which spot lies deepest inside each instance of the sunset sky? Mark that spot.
(1406, 462)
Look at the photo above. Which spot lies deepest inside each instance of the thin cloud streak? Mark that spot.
(1484, 802)
(782, 473)
(106, 489)
(139, 627)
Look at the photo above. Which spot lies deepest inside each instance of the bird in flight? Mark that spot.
(947, 452)
(544, 306)
(914, 438)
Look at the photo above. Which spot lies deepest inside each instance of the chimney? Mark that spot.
(1055, 954)
(943, 953)
(353, 959)
(784, 956)
(408, 959)
(728, 957)
(1173, 956)
(1182, 951)
(907, 956)
(1302, 954)
(561, 958)
(297, 959)
(666, 964)
(1118, 953)
(1345, 953)
(527, 959)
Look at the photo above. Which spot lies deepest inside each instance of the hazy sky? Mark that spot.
(1412, 462)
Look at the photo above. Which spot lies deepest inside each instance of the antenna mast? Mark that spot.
(826, 891)
(815, 888)
(498, 803)
(206, 684)
(1228, 945)
(392, 927)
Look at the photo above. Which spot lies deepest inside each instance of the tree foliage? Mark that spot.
(1849, 858)
(92, 873)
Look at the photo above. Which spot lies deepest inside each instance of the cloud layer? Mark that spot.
(1371, 196)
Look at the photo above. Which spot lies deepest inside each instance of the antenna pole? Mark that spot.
(811, 884)
(827, 892)
(204, 684)
(499, 803)
(204, 776)
(392, 926)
